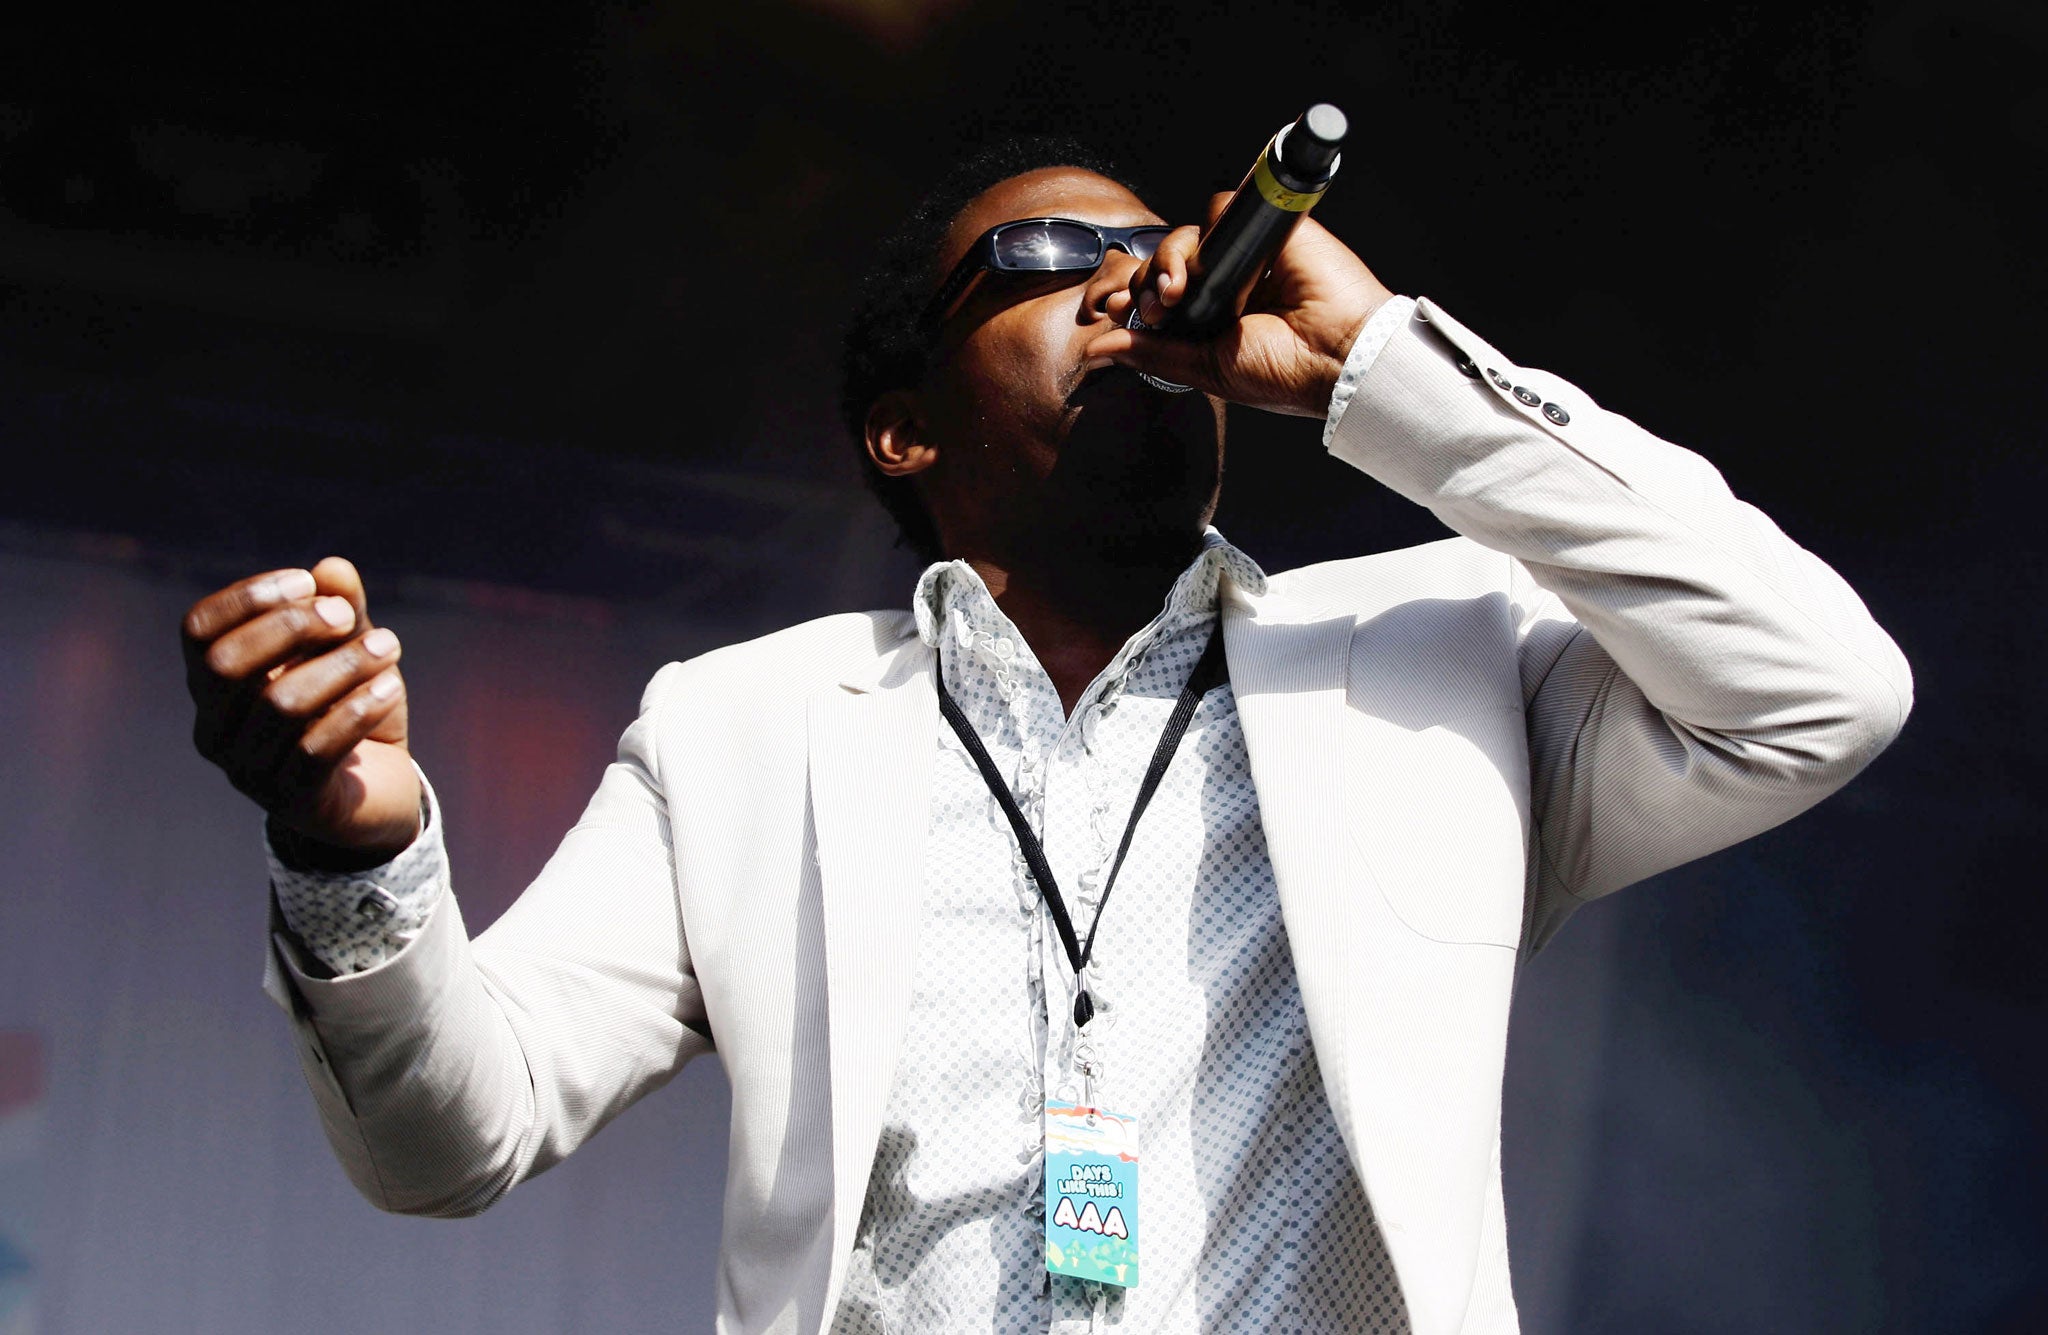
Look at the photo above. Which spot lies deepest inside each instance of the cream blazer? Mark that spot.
(1615, 668)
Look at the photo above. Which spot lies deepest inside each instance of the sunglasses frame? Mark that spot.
(982, 256)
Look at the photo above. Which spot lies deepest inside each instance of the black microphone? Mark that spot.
(1283, 185)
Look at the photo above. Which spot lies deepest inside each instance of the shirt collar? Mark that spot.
(951, 592)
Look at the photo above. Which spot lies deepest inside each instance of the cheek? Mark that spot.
(988, 404)
(1033, 344)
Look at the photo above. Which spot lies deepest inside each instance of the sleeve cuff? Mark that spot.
(1379, 330)
(355, 921)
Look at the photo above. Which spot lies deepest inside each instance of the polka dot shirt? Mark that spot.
(1253, 1218)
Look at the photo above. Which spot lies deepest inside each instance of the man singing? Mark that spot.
(1108, 828)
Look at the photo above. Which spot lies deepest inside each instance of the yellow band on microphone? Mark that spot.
(1278, 195)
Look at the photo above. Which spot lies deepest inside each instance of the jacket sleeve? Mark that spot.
(455, 1069)
(1691, 675)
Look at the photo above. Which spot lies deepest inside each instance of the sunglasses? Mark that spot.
(1040, 246)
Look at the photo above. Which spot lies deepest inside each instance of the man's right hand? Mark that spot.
(301, 703)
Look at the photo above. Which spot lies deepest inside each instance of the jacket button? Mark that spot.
(1499, 379)
(1528, 396)
(1467, 369)
(1556, 414)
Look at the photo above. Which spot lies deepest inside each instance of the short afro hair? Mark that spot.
(888, 343)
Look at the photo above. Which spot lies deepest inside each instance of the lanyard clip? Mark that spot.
(1088, 1065)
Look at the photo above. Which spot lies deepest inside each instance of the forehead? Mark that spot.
(1049, 192)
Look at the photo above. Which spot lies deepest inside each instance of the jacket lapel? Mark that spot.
(1403, 1027)
(872, 742)
(1287, 670)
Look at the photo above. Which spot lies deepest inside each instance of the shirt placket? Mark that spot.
(1088, 799)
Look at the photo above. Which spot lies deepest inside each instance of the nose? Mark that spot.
(1113, 275)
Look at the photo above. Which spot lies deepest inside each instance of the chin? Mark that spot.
(1152, 508)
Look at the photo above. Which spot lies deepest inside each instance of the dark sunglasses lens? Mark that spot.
(1047, 246)
(1144, 242)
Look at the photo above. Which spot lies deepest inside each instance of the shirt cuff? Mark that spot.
(1390, 319)
(355, 921)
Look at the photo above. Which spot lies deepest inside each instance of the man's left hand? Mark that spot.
(1284, 354)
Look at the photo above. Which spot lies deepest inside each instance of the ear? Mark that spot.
(895, 435)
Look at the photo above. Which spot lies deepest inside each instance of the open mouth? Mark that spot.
(1083, 382)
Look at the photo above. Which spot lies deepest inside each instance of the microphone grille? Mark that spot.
(1309, 152)
(1326, 123)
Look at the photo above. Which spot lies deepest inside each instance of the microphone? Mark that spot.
(1290, 175)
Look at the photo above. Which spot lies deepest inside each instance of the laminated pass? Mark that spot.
(1091, 1194)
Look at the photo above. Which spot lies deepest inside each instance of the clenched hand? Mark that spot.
(299, 700)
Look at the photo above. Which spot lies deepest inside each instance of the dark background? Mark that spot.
(534, 310)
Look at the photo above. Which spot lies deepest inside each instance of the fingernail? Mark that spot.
(384, 686)
(1098, 363)
(335, 612)
(1150, 308)
(1164, 278)
(283, 588)
(380, 643)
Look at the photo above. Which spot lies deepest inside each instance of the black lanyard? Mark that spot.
(1207, 674)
